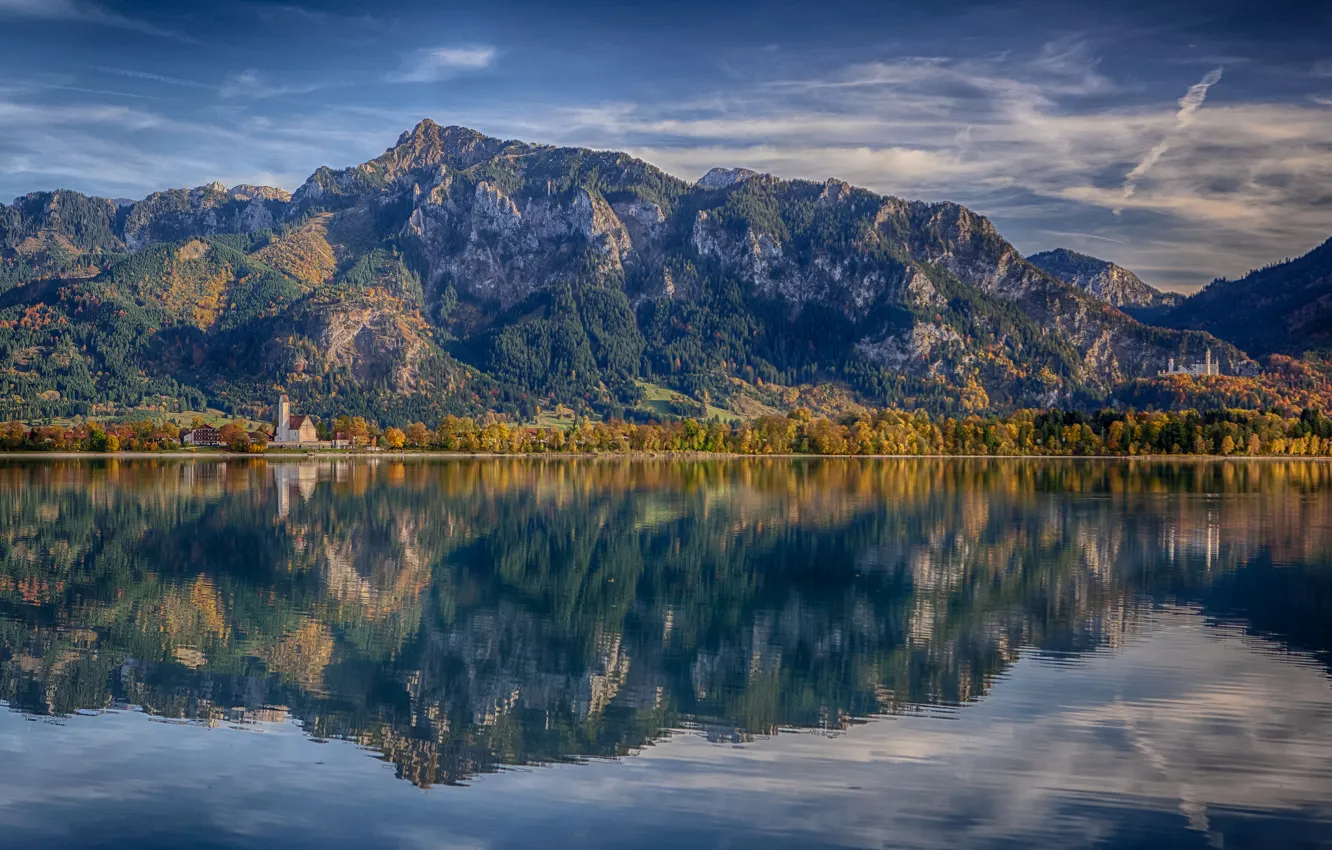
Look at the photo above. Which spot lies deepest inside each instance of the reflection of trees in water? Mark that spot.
(461, 615)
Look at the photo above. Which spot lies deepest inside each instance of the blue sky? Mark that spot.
(1185, 140)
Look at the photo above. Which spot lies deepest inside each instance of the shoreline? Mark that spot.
(633, 455)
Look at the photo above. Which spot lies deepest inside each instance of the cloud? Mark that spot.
(104, 92)
(442, 63)
(317, 17)
(148, 75)
(270, 13)
(1037, 144)
(1190, 103)
(84, 12)
(249, 84)
(126, 151)
(252, 85)
(1070, 67)
(1079, 235)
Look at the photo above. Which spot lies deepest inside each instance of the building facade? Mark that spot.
(1207, 366)
(204, 435)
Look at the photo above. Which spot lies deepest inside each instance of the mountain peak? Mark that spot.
(721, 178)
(1107, 281)
(427, 144)
(425, 125)
(1067, 255)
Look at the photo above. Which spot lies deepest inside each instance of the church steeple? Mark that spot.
(283, 418)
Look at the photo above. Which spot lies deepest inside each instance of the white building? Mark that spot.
(204, 435)
(291, 429)
(1207, 367)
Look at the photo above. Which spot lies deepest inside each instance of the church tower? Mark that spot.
(283, 420)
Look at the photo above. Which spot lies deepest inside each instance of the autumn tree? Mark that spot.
(418, 435)
(235, 436)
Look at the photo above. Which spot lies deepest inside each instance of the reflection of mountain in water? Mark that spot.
(457, 616)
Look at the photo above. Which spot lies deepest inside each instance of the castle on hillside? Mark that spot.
(1207, 367)
(292, 429)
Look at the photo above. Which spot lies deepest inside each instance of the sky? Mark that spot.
(1184, 140)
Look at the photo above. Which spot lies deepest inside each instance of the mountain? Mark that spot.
(1284, 308)
(460, 272)
(1107, 281)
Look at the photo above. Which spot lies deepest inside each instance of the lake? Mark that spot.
(509, 653)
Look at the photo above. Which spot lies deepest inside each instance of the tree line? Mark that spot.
(882, 432)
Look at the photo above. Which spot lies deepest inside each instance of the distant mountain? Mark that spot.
(1284, 308)
(42, 233)
(459, 272)
(1109, 282)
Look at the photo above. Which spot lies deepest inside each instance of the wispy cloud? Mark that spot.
(123, 150)
(103, 92)
(1075, 234)
(1040, 141)
(148, 75)
(442, 63)
(249, 84)
(291, 12)
(252, 85)
(1070, 66)
(84, 12)
(1190, 103)
(1030, 142)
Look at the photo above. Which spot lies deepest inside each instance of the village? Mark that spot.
(290, 431)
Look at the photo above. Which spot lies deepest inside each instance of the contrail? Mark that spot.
(1190, 103)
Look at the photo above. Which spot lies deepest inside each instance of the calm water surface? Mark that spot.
(774, 653)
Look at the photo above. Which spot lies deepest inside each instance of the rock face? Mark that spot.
(246, 192)
(1113, 284)
(1285, 308)
(724, 178)
(205, 211)
(566, 274)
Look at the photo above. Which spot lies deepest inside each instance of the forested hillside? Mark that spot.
(1285, 308)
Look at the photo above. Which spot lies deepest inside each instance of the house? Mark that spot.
(204, 435)
(293, 429)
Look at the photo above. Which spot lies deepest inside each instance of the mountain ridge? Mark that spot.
(1108, 281)
(1282, 308)
(458, 271)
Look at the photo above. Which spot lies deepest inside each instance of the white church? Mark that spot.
(293, 430)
